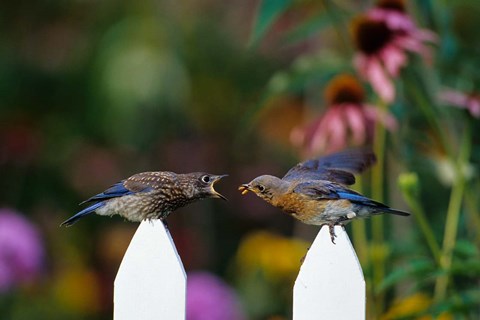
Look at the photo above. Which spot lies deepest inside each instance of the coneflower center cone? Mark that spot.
(394, 5)
(342, 89)
(371, 36)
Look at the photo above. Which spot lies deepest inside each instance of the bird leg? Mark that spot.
(331, 229)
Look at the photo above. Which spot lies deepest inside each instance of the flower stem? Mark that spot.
(427, 231)
(473, 215)
(431, 116)
(411, 198)
(377, 222)
(339, 25)
(453, 215)
(359, 233)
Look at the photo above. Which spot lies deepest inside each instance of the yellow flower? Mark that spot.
(411, 305)
(78, 289)
(277, 256)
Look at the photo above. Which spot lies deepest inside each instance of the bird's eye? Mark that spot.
(205, 179)
(260, 188)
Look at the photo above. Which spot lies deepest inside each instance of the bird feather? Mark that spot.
(117, 190)
(338, 167)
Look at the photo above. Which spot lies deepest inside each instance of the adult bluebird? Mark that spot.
(150, 195)
(315, 191)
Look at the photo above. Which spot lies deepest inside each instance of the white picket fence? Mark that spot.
(151, 280)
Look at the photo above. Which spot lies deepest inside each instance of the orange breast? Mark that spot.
(312, 211)
(300, 206)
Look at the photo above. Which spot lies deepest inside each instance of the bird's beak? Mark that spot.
(214, 192)
(244, 188)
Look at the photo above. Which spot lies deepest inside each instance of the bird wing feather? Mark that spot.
(326, 190)
(316, 190)
(120, 189)
(338, 167)
(116, 190)
(144, 181)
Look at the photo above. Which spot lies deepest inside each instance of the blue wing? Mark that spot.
(358, 198)
(338, 167)
(317, 190)
(117, 190)
(333, 191)
(325, 190)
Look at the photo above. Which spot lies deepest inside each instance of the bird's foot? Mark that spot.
(331, 229)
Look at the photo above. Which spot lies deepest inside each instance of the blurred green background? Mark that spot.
(92, 92)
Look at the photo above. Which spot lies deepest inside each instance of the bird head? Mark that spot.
(265, 187)
(204, 183)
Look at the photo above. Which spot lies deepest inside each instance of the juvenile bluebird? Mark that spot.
(315, 191)
(151, 195)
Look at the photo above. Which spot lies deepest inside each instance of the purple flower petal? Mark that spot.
(21, 250)
(380, 82)
(356, 121)
(474, 107)
(394, 59)
(461, 100)
(395, 20)
(454, 97)
(209, 298)
(337, 130)
(382, 66)
(378, 115)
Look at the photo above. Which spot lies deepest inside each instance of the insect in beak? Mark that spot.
(244, 188)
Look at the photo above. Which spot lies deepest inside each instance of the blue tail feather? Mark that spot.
(397, 212)
(82, 213)
(357, 198)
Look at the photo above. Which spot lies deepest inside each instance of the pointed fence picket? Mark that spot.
(330, 284)
(151, 280)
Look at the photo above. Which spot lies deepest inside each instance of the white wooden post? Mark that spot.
(330, 284)
(151, 280)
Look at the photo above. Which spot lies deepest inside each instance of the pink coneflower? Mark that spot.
(383, 38)
(347, 120)
(462, 100)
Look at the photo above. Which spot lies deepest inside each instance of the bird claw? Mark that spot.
(331, 229)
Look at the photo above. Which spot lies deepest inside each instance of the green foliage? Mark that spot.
(94, 92)
(311, 27)
(267, 12)
(435, 144)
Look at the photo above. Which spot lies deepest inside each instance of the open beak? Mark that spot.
(215, 180)
(244, 188)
